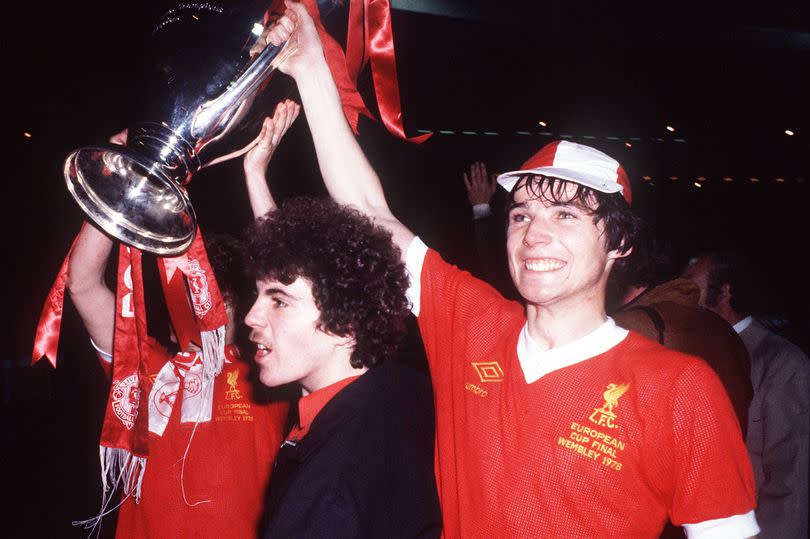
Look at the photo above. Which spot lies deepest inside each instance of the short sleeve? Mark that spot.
(713, 478)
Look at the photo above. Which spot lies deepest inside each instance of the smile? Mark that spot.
(543, 264)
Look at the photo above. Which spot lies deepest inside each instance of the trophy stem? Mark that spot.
(169, 151)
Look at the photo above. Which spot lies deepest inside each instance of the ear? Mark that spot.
(619, 252)
(725, 294)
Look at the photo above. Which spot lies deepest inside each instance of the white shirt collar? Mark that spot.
(537, 363)
(740, 326)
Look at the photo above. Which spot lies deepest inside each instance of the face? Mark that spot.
(290, 347)
(698, 272)
(556, 252)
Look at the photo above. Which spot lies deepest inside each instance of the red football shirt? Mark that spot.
(219, 489)
(605, 447)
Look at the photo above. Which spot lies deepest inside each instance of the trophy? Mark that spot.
(207, 74)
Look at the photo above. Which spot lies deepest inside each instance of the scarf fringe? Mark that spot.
(124, 469)
(119, 469)
(213, 352)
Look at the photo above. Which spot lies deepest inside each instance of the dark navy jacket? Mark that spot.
(365, 468)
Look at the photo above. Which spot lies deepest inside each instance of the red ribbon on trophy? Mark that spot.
(370, 39)
(46, 339)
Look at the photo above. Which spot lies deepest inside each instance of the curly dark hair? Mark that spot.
(224, 255)
(622, 226)
(358, 280)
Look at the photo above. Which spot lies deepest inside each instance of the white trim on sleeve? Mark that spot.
(414, 258)
(106, 356)
(733, 527)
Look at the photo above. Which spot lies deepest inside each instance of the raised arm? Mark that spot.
(348, 175)
(94, 301)
(257, 159)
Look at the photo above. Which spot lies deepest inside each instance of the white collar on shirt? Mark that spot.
(740, 326)
(537, 363)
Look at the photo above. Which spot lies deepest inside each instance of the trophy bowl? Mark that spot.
(207, 70)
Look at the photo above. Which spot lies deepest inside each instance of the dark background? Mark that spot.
(730, 81)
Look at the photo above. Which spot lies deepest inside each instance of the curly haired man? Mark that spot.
(329, 314)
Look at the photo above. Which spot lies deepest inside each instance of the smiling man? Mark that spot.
(551, 420)
(329, 314)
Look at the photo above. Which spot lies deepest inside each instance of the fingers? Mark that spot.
(273, 129)
(478, 173)
(292, 113)
(286, 22)
(297, 8)
(285, 114)
(281, 31)
(482, 172)
(266, 135)
(479, 183)
(293, 110)
(120, 137)
(279, 121)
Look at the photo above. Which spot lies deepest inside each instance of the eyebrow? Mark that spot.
(278, 291)
(553, 204)
(513, 205)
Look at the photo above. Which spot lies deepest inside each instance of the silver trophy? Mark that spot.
(208, 72)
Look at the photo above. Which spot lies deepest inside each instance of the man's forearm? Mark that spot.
(94, 301)
(348, 175)
(261, 199)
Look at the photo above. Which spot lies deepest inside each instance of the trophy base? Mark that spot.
(130, 197)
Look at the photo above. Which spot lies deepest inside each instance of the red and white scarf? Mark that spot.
(183, 377)
(123, 447)
(124, 443)
(190, 277)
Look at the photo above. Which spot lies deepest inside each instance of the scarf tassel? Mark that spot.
(119, 469)
(213, 352)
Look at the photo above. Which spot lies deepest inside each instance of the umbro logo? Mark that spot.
(489, 371)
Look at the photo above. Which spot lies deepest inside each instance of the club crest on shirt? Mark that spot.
(198, 286)
(604, 415)
(125, 398)
(233, 392)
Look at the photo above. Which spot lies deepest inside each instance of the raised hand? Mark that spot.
(273, 129)
(480, 185)
(257, 158)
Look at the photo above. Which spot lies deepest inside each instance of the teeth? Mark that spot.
(544, 264)
(261, 347)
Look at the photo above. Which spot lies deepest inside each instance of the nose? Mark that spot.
(537, 233)
(254, 318)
